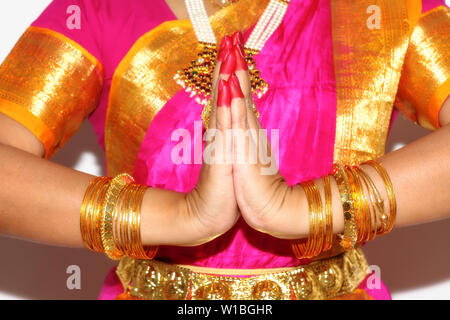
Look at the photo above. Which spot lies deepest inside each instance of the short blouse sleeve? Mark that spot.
(425, 80)
(52, 79)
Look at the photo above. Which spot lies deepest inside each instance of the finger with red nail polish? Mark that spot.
(238, 43)
(241, 64)
(223, 94)
(229, 63)
(235, 87)
(238, 38)
(225, 46)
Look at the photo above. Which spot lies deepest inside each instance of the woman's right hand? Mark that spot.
(211, 205)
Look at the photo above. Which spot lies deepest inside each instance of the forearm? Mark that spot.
(40, 201)
(420, 174)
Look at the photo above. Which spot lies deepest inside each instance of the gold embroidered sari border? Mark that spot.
(72, 43)
(367, 69)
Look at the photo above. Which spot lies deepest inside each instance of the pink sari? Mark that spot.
(297, 62)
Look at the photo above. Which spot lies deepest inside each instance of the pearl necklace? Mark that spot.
(197, 78)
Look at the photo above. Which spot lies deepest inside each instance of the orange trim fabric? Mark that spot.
(49, 84)
(425, 81)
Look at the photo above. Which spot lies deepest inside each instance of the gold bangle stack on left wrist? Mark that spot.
(365, 215)
(320, 236)
(313, 245)
(370, 217)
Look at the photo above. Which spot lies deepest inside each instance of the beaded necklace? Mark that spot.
(197, 77)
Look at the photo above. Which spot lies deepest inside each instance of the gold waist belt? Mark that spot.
(324, 279)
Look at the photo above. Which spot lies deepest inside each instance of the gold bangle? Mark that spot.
(95, 215)
(381, 223)
(369, 212)
(127, 222)
(97, 221)
(320, 233)
(120, 220)
(360, 204)
(301, 247)
(85, 215)
(110, 219)
(312, 246)
(140, 252)
(89, 216)
(128, 240)
(133, 223)
(390, 220)
(328, 214)
(376, 204)
(349, 238)
(112, 194)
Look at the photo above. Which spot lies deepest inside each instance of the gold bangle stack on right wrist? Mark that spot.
(91, 210)
(110, 219)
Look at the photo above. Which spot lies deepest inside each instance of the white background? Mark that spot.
(414, 262)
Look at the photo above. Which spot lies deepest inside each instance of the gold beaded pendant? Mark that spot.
(197, 78)
(259, 85)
